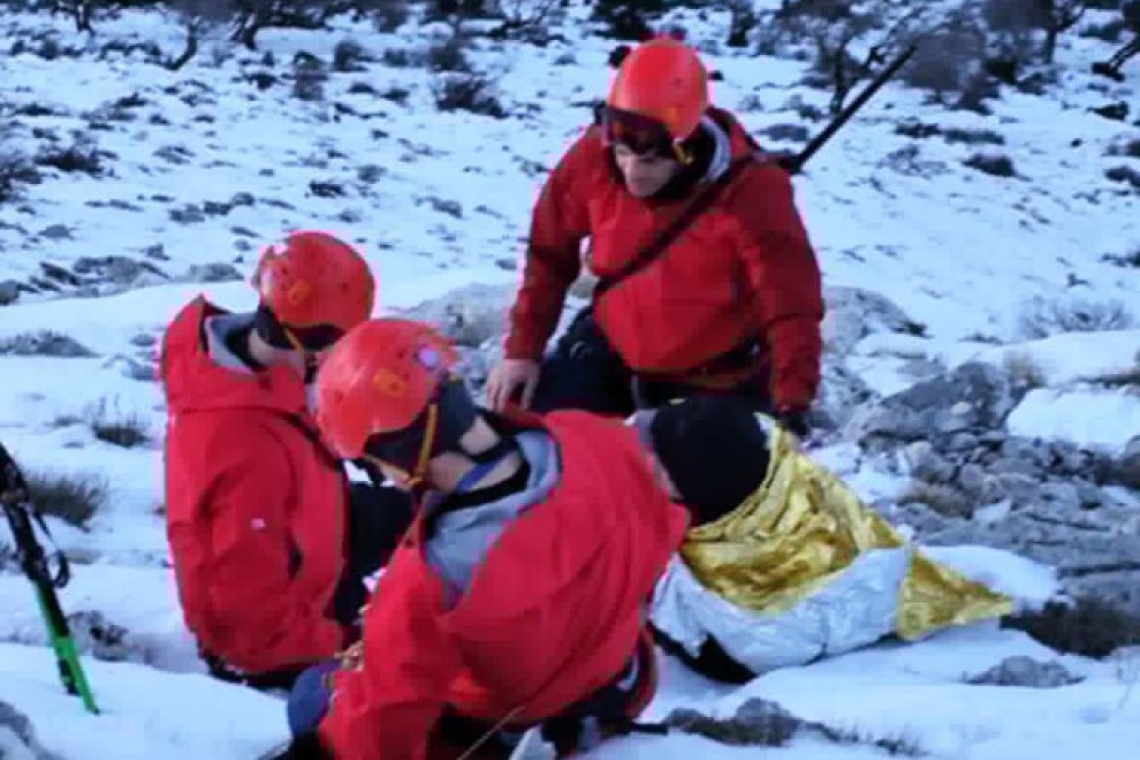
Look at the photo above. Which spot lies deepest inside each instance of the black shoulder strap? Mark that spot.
(669, 233)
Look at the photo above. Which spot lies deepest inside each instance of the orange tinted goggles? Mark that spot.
(641, 134)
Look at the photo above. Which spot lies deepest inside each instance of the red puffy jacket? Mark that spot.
(743, 269)
(551, 610)
(255, 506)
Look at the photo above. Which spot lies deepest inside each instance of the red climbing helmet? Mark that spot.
(379, 379)
(315, 282)
(658, 96)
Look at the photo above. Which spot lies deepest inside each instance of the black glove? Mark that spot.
(794, 421)
(305, 747)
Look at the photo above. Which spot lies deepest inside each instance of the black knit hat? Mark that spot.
(715, 451)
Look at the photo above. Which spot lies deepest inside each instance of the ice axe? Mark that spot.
(794, 163)
(22, 518)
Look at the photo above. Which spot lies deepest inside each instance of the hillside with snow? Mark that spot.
(982, 383)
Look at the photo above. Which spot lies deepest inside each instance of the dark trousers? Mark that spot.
(711, 660)
(583, 371)
(609, 711)
(377, 520)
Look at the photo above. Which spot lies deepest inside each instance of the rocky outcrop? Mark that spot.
(972, 481)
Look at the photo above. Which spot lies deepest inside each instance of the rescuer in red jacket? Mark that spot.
(732, 305)
(518, 595)
(256, 504)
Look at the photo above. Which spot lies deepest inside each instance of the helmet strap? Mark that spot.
(683, 155)
(427, 443)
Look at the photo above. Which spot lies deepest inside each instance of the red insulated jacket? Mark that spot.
(529, 606)
(743, 269)
(254, 505)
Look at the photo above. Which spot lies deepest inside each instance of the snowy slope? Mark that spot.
(445, 203)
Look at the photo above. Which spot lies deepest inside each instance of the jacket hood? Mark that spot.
(730, 138)
(199, 373)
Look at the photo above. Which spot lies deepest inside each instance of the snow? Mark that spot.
(1058, 360)
(1029, 584)
(145, 713)
(958, 250)
(1095, 419)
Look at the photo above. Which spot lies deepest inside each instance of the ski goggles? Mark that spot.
(643, 135)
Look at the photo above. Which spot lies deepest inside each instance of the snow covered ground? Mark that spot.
(437, 200)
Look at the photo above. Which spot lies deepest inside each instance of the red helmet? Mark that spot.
(663, 80)
(314, 279)
(379, 378)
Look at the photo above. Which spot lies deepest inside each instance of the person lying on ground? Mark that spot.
(782, 563)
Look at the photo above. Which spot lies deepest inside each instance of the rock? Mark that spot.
(926, 464)
(841, 391)
(445, 206)
(1092, 553)
(216, 208)
(853, 313)
(94, 634)
(327, 189)
(757, 722)
(120, 270)
(1090, 496)
(9, 292)
(44, 343)
(945, 500)
(216, 271)
(60, 274)
(156, 251)
(56, 232)
(189, 214)
(1060, 496)
(787, 132)
(241, 199)
(470, 315)
(963, 442)
(1027, 673)
(18, 737)
(973, 397)
(1125, 470)
(133, 369)
(972, 478)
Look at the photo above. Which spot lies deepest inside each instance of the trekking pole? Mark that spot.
(795, 163)
(21, 514)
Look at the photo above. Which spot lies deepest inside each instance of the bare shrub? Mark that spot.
(467, 92)
(81, 157)
(111, 425)
(390, 15)
(349, 56)
(449, 55)
(72, 497)
(16, 170)
(1086, 626)
(1042, 317)
(1023, 371)
(951, 62)
(309, 77)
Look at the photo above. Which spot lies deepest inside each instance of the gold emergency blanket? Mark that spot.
(800, 530)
